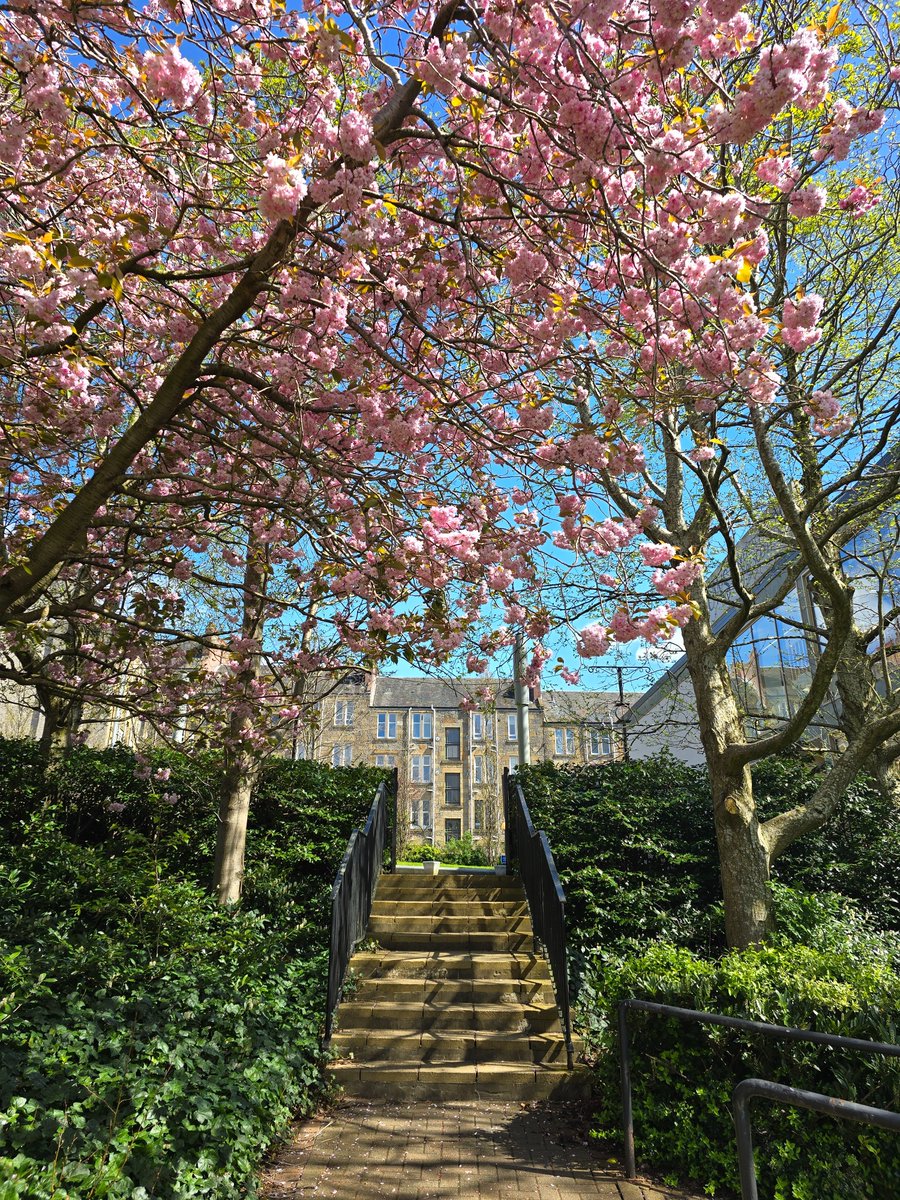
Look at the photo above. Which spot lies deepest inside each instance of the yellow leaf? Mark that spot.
(831, 19)
(745, 271)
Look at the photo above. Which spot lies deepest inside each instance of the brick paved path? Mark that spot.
(445, 1151)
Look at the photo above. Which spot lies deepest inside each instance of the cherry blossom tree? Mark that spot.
(387, 234)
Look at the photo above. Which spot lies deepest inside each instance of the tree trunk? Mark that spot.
(241, 774)
(743, 854)
(887, 773)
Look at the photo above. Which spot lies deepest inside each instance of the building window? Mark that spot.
(426, 814)
(343, 712)
(511, 727)
(453, 789)
(387, 725)
(414, 811)
(482, 727)
(452, 830)
(564, 741)
(342, 756)
(479, 815)
(601, 743)
(420, 768)
(421, 726)
(385, 760)
(453, 744)
(478, 768)
(513, 763)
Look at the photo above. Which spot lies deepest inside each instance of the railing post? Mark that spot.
(625, 1080)
(394, 818)
(744, 1133)
(507, 821)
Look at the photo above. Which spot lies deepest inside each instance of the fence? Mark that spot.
(528, 848)
(354, 889)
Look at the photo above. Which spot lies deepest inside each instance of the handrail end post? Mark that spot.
(625, 1078)
(740, 1104)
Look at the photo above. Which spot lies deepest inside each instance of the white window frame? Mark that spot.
(606, 743)
(386, 726)
(595, 743)
(386, 760)
(421, 768)
(512, 727)
(343, 713)
(564, 742)
(478, 768)
(425, 723)
(480, 730)
(342, 755)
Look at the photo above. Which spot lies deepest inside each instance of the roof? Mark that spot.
(393, 691)
(581, 705)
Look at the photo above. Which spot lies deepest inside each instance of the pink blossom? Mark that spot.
(860, 199)
(807, 201)
(170, 76)
(702, 454)
(656, 555)
(283, 189)
(570, 677)
(592, 641)
(676, 579)
(799, 321)
(525, 267)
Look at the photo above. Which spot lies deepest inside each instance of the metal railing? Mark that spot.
(354, 889)
(786, 1032)
(780, 1093)
(528, 849)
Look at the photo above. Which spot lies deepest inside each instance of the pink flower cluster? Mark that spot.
(676, 579)
(592, 641)
(807, 201)
(356, 136)
(796, 73)
(170, 76)
(283, 189)
(826, 413)
(527, 266)
(799, 325)
(658, 555)
(859, 200)
(846, 125)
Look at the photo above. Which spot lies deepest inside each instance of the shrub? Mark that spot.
(683, 1075)
(153, 1044)
(460, 852)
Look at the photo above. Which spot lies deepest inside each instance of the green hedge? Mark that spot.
(151, 1044)
(683, 1076)
(460, 852)
(635, 850)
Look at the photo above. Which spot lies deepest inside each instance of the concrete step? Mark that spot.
(454, 1047)
(453, 907)
(411, 1018)
(452, 991)
(444, 887)
(433, 924)
(401, 939)
(440, 964)
(501, 1081)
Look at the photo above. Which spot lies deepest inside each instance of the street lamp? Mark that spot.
(621, 712)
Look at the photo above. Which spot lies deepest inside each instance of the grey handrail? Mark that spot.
(787, 1032)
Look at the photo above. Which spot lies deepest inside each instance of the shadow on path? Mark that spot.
(439, 1151)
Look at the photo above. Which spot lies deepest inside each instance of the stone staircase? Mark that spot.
(452, 1003)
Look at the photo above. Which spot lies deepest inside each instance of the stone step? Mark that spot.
(452, 991)
(437, 965)
(410, 1018)
(509, 943)
(432, 924)
(501, 1081)
(453, 1047)
(446, 887)
(402, 909)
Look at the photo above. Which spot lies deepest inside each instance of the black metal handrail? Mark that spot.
(354, 889)
(787, 1032)
(529, 849)
(780, 1093)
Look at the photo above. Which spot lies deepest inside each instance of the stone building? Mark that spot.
(449, 754)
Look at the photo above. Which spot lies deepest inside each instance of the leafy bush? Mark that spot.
(153, 1045)
(635, 847)
(683, 1075)
(460, 852)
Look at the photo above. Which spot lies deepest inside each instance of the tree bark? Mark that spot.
(887, 774)
(743, 854)
(241, 775)
(241, 758)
